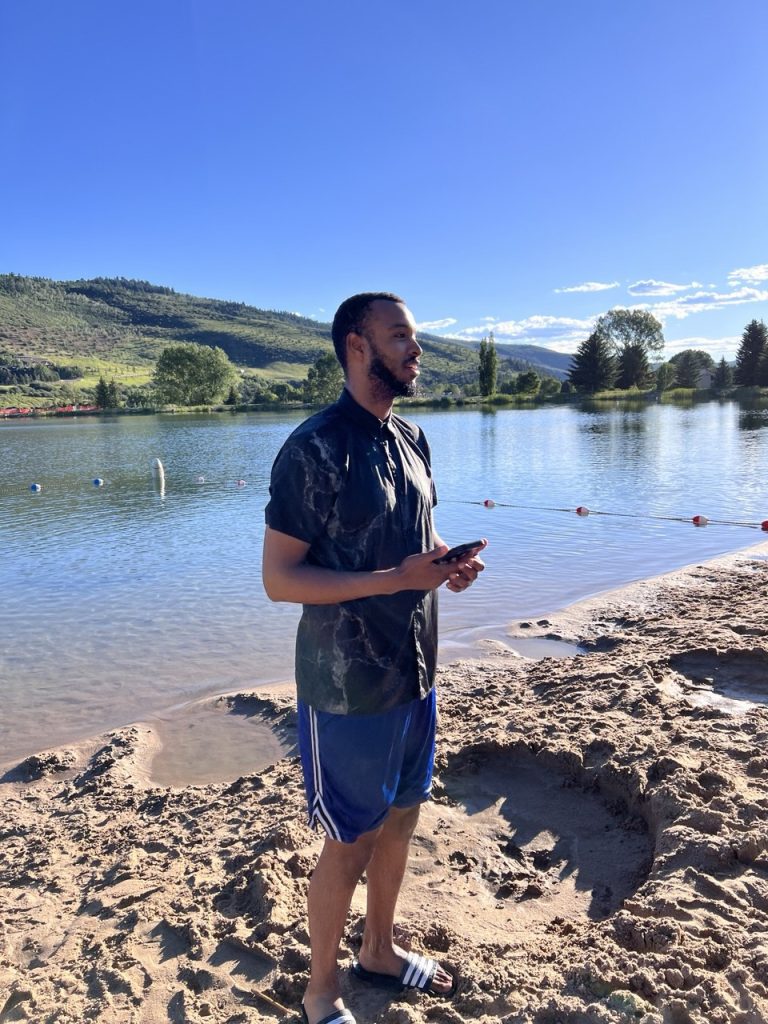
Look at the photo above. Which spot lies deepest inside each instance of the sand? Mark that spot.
(596, 851)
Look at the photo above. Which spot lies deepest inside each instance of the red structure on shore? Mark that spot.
(13, 412)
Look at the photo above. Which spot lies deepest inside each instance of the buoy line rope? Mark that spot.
(158, 475)
(582, 510)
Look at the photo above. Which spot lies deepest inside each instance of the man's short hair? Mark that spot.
(352, 315)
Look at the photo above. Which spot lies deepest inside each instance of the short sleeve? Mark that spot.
(301, 493)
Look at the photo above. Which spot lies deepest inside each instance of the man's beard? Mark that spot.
(385, 384)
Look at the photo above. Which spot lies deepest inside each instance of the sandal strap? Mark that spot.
(418, 971)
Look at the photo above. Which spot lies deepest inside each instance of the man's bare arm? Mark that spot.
(288, 577)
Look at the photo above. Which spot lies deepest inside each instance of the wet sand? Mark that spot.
(596, 851)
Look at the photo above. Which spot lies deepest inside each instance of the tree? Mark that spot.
(549, 386)
(633, 335)
(325, 380)
(139, 397)
(528, 383)
(634, 368)
(623, 327)
(754, 342)
(488, 366)
(723, 376)
(702, 359)
(688, 369)
(665, 376)
(113, 396)
(594, 365)
(762, 369)
(189, 374)
(102, 394)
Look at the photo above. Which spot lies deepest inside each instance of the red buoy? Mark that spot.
(699, 520)
(489, 503)
(582, 510)
(764, 525)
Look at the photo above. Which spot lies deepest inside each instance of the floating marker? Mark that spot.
(489, 503)
(240, 483)
(201, 479)
(764, 525)
(158, 472)
(98, 482)
(35, 488)
(582, 510)
(699, 520)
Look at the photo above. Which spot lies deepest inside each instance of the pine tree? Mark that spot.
(102, 394)
(687, 370)
(594, 366)
(113, 398)
(488, 366)
(723, 376)
(754, 341)
(634, 368)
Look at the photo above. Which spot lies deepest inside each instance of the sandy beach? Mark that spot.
(596, 850)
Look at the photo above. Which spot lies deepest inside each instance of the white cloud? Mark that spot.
(749, 275)
(563, 334)
(470, 333)
(660, 288)
(704, 302)
(437, 325)
(588, 286)
(717, 347)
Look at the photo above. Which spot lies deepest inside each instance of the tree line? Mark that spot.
(619, 351)
(617, 354)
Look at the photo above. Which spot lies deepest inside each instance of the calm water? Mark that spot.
(120, 602)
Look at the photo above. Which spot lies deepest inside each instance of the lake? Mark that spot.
(121, 602)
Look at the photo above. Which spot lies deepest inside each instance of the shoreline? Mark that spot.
(596, 850)
(572, 619)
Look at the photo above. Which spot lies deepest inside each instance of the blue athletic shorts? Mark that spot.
(358, 766)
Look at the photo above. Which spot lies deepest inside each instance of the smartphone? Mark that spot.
(457, 552)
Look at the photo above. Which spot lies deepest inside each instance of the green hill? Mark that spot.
(119, 327)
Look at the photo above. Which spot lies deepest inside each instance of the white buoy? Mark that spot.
(158, 473)
(240, 483)
(98, 482)
(35, 488)
(201, 479)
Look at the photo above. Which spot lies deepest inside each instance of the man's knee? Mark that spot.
(351, 859)
(402, 821)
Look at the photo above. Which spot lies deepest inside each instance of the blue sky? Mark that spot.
(520, 165)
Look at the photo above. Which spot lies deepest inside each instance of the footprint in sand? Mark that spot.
(528, 842)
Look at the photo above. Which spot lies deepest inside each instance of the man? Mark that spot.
(350, 536)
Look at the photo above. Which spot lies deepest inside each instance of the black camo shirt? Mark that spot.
(360, 493)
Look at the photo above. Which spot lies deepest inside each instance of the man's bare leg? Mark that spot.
(385, 873)
(333, 882)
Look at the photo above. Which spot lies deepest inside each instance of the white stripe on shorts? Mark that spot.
(319, 811)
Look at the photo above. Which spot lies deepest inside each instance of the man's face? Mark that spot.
(394, 352)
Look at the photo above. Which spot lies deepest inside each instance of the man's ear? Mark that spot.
(355, 345)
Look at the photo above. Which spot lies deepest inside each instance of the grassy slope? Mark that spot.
(118, 328)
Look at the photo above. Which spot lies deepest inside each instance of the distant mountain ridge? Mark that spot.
(129, 321)
(541, 359)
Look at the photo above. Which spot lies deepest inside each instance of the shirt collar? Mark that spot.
(370, 423)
